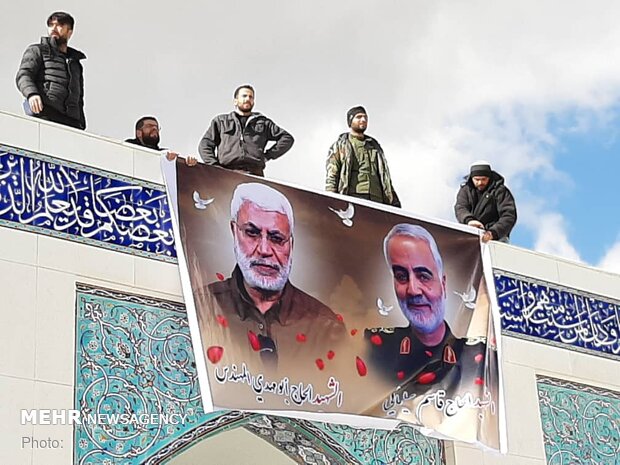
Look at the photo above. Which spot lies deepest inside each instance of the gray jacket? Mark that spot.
(243, 149)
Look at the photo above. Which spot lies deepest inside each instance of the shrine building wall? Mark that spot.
(560, 319)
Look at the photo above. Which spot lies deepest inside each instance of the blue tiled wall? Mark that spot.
(581, 424)
(551, 314)
(54, 197)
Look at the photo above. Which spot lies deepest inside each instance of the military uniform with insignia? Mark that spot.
(415, 368)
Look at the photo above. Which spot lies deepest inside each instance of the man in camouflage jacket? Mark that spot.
(356, 165)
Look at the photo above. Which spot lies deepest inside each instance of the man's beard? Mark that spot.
(59, 41)
(245, 108)
(258, 281)
(425, 322)
(150, 141)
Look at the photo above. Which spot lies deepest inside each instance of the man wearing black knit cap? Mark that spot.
(356, 165)
(484, 202)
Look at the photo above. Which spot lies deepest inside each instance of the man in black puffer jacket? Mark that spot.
(485, 202)
(50, 76)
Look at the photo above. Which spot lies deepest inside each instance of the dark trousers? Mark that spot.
(253, 170)
(51, 114)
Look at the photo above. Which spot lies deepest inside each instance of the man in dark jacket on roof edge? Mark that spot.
(50, 76)
(484, 202)
(237, 140)
(147, 135)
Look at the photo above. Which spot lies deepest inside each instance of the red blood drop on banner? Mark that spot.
(479, 381)
(428, 353)
(353, 332)
(339, 317)
(221, 319)
(214, 354)
(219, 276)
(376, 339)
(400, 375)
(427, 378)
(330, 355)
(361, 366)
(254, 342)
(479, 358)
(301, 337)
(320, 363)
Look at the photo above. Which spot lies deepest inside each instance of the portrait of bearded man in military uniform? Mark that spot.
(257, 316)
(425, 353)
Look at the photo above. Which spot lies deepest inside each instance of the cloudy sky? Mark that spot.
(530, 86)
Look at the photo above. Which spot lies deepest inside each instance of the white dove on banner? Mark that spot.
(469, 298)
(384, 310)
(345, 215)
(199, 203)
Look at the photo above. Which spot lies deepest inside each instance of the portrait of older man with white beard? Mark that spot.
(425, 352)
(257, 316)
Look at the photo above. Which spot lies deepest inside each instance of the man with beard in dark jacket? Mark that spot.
(147, 135)
(50, 76)
(485, 202)
(240, 137)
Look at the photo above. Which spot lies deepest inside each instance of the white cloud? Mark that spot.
(611, 260)
(445, 83)
(552, 238)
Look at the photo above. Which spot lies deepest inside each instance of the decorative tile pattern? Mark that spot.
(558, 316)
(581, 424)
(403, 445)
(301, 440)
(62, 199)
(134, 356)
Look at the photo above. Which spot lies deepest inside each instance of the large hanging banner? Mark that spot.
(301, 301)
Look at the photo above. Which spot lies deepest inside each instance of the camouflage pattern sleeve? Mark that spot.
(333, 167)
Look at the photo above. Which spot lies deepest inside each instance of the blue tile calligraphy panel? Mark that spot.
(581, 424)
(49, 196)
(563, 317)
